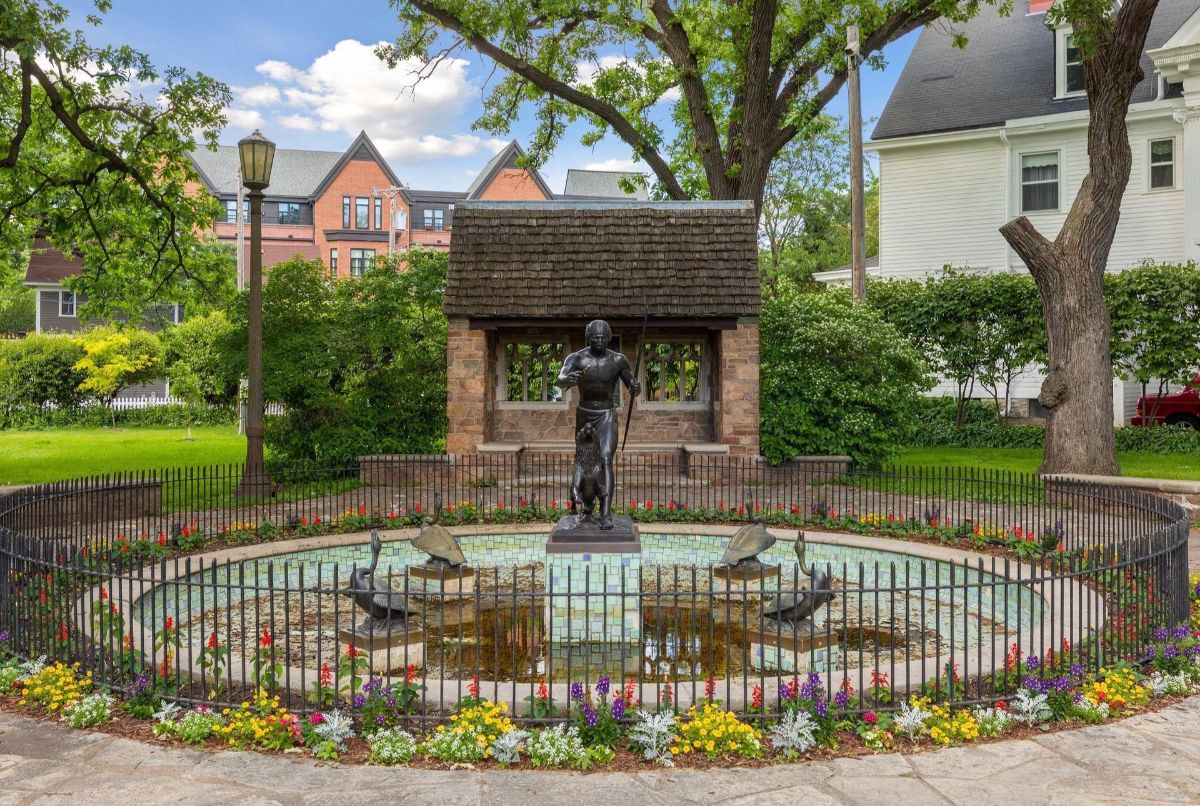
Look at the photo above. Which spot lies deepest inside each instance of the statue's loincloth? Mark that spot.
(604, 427)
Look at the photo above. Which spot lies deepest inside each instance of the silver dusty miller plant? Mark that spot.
(653, 734)
(795, 733)
(336, 728)
(507, 749)
(911, 719)
(1029, 708)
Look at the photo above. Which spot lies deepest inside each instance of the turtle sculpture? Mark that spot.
(748, 542)
(383, 606)
(792, 608)
(436, 541)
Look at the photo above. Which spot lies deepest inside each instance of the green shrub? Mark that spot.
(359, 366)
(97, 416)
(835, 379)
(39, 370)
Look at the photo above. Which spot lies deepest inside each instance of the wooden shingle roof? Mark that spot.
(588, 259)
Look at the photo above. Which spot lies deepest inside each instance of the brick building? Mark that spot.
(334, 206)
(526, 277)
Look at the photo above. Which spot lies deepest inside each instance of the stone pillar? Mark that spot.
(736, 411)
(466, 388)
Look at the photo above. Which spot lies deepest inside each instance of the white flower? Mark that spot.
(1169, 684)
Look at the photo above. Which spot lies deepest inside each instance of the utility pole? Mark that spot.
(858, 271)
(391, 193)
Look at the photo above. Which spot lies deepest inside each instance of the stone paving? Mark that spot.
(1151, 758)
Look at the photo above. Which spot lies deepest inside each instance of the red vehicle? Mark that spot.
(1179, 408)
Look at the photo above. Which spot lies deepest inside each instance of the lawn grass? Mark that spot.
(30, 457)
(1026, 460)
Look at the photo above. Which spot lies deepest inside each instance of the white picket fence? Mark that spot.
(128, 403)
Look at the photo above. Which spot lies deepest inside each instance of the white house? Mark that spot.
(971, 138)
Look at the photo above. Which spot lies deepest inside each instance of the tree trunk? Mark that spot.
(1069, 271)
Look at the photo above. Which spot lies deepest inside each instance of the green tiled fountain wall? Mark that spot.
(953, 593)
(611, 614)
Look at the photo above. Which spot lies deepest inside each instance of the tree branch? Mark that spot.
(1034, 249)
(14, 147)
(606, 112)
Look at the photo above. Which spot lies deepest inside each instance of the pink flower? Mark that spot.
(870, 718)
(317, 718)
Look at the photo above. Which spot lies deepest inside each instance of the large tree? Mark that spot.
(93, 155)
(739, 79)
(1069, 269)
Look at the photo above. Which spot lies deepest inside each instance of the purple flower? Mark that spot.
(380, 719)
(358, 701)
(1160, 634)
(1076, 670)
(785, 691)
(391, 702)
(841, 699)
(1179, 633)
(822, 707)
(602, 687)
(4, 636)
(618, 708)
(1032, 662)
(1079, 698)
(1171, 651)
(589, 715)
(1151, 652)
(577, 692)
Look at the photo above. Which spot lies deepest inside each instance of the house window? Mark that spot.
(671, 372)
(1162, 164)
(289, 213)
(333, 263)
(362, 213)
(530, 371)
(1039, 182)
(345, 212)
(230, 211)
(433, 218)
(360, 261)
(1072, 66)
(378, 213)
(66, 303)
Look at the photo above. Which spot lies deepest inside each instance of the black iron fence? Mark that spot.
(941, 581)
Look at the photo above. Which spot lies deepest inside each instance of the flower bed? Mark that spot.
(607, 727)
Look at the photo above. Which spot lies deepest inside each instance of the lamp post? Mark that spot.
(256, 153)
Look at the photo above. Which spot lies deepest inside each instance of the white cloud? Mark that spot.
(586, 73)
(615, 164)
(298, 122)
(260, 95)
(348, 89)
(244, 118)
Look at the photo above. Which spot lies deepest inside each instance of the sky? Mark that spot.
(304, 73)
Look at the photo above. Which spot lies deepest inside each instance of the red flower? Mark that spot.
(649, 504)
(316, 718)
(304, 520)
(316, 519)
(410, 674)
(103, 594)
(500, 505)
(671, 505)
(473, 688)
(265, 640)
(212, 641)
(391, 513)
(326, 675)
(741, 510)
(186, 531)
(847, 686)
(170, 625)
(162, 538)
(352, 651)
(418, 509)
(633, 504)
(756, 697)
(62, 631)
(721, 505)
(879, 679)
(1001, 705)
(870, 718)
(710, 688)
(543, 693)
(795, 509)
(362, 511)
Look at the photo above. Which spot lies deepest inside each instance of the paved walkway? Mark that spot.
(1152, 758)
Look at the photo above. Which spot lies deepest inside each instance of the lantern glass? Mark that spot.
(257, 154)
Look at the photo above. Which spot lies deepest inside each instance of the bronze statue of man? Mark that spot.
(598, 372)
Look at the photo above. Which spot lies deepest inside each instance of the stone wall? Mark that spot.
(736, 410)
(467, 374)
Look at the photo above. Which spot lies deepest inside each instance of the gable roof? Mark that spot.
(295, 172)
(1006, 72)
(614, 259)
(602, 184)
(48, 266)
(361, 148)
(506, 158)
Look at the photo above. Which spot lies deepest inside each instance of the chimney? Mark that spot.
(1040, 6)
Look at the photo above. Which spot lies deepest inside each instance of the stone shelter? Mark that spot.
(524, 280)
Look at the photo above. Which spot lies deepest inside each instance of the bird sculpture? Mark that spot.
(748, 542)
(436, 541)
(792, 608)
(383, 606)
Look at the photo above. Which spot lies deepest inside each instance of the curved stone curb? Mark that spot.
(1150, 758)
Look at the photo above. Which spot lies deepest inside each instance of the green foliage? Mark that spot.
(115, 359)
(359, 366)
(835, 379)
(92, 415)
(196, 366)
(17, 312)
(39, 370)
(1155, 312)
(96, 159)
(975, 328)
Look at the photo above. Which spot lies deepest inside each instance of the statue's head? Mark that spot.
(598, 334)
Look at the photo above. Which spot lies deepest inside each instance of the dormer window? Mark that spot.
(1069, 81)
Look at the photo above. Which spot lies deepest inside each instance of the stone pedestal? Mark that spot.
(788, 652)
(437, 579)
(387, 650)
(594, 581)
(735, 580)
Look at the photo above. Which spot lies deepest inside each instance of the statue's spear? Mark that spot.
(637, 367)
